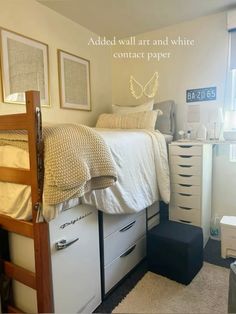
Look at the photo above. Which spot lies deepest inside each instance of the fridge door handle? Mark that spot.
(63, 244)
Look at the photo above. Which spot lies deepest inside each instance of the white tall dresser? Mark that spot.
(191, 184)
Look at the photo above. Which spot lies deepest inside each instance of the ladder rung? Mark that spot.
(24, 228)
(15, 175)
(13, 309)
(14, 122)
(20, 274)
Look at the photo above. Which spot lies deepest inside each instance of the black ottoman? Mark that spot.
(175, 250)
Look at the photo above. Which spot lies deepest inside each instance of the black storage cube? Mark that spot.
(175, 250)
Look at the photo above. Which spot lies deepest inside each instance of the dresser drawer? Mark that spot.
(186, 200)
(190, 216)
(112, 223)
(185, 169)
(186, 179)
(186, 150)
(119, 241)
(186, 160)
(186, 189)
(115, 271)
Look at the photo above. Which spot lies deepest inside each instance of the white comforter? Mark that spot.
(143, 172)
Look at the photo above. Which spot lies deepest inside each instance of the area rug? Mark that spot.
(207, 293)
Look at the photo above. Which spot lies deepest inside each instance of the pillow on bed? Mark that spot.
(165, 123)
(138, 120)
(147, 106)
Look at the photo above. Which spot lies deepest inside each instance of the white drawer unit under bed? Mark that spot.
(123, 244)
(191, 184)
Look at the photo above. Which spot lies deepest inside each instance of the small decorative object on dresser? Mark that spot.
(191, 182)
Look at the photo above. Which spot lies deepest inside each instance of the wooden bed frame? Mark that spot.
(41, 280)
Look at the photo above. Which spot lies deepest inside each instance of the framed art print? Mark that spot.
(24, 67)
(74, 81)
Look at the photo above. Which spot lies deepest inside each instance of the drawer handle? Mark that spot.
(185, 175)
(185, 208)
(128, 226)
(185, 156)
(185, 146)
(128, 251)
(63, 244)
(185, 194)
(185, 185)
(185, 221)
(185, 166)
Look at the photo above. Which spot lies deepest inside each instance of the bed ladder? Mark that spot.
(41, 280)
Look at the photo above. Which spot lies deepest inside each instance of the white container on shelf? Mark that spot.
(202, 133)
(228, 236)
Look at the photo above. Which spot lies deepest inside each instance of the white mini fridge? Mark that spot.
(75, 257)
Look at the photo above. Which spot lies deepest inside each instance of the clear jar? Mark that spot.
(215, 228)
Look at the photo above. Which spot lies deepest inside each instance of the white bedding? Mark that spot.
(142, 167)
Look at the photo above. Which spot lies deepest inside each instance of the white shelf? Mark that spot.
(213, 142)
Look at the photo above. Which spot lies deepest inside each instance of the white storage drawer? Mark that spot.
(119, 241)
(186, 150)
(154, 221)
(153, 209)
(191, 184)
(186, 189)
(186, 200)
(185, 169)
(186, 179)
(189, 216)
(112, 223)
(186, 160)
(115, 271)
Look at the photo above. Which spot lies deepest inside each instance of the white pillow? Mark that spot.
(137, 120)
(148, 106)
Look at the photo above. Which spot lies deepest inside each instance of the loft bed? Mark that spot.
(127, 230)
(40, 281)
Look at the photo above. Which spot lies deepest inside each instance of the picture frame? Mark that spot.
(24, 67)
(74, 81)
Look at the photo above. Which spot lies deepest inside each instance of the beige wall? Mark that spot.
(201, 65)
(34, 20)
(188, 67)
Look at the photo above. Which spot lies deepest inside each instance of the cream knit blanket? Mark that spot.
(76, 160)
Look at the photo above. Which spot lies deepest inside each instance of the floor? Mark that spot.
(212, 254)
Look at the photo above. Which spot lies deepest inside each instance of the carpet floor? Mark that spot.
(207, 293)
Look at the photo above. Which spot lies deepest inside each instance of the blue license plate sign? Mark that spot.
(201, 94)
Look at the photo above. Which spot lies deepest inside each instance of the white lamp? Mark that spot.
(230, 125)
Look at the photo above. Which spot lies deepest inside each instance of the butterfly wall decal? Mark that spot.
(149, 89)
